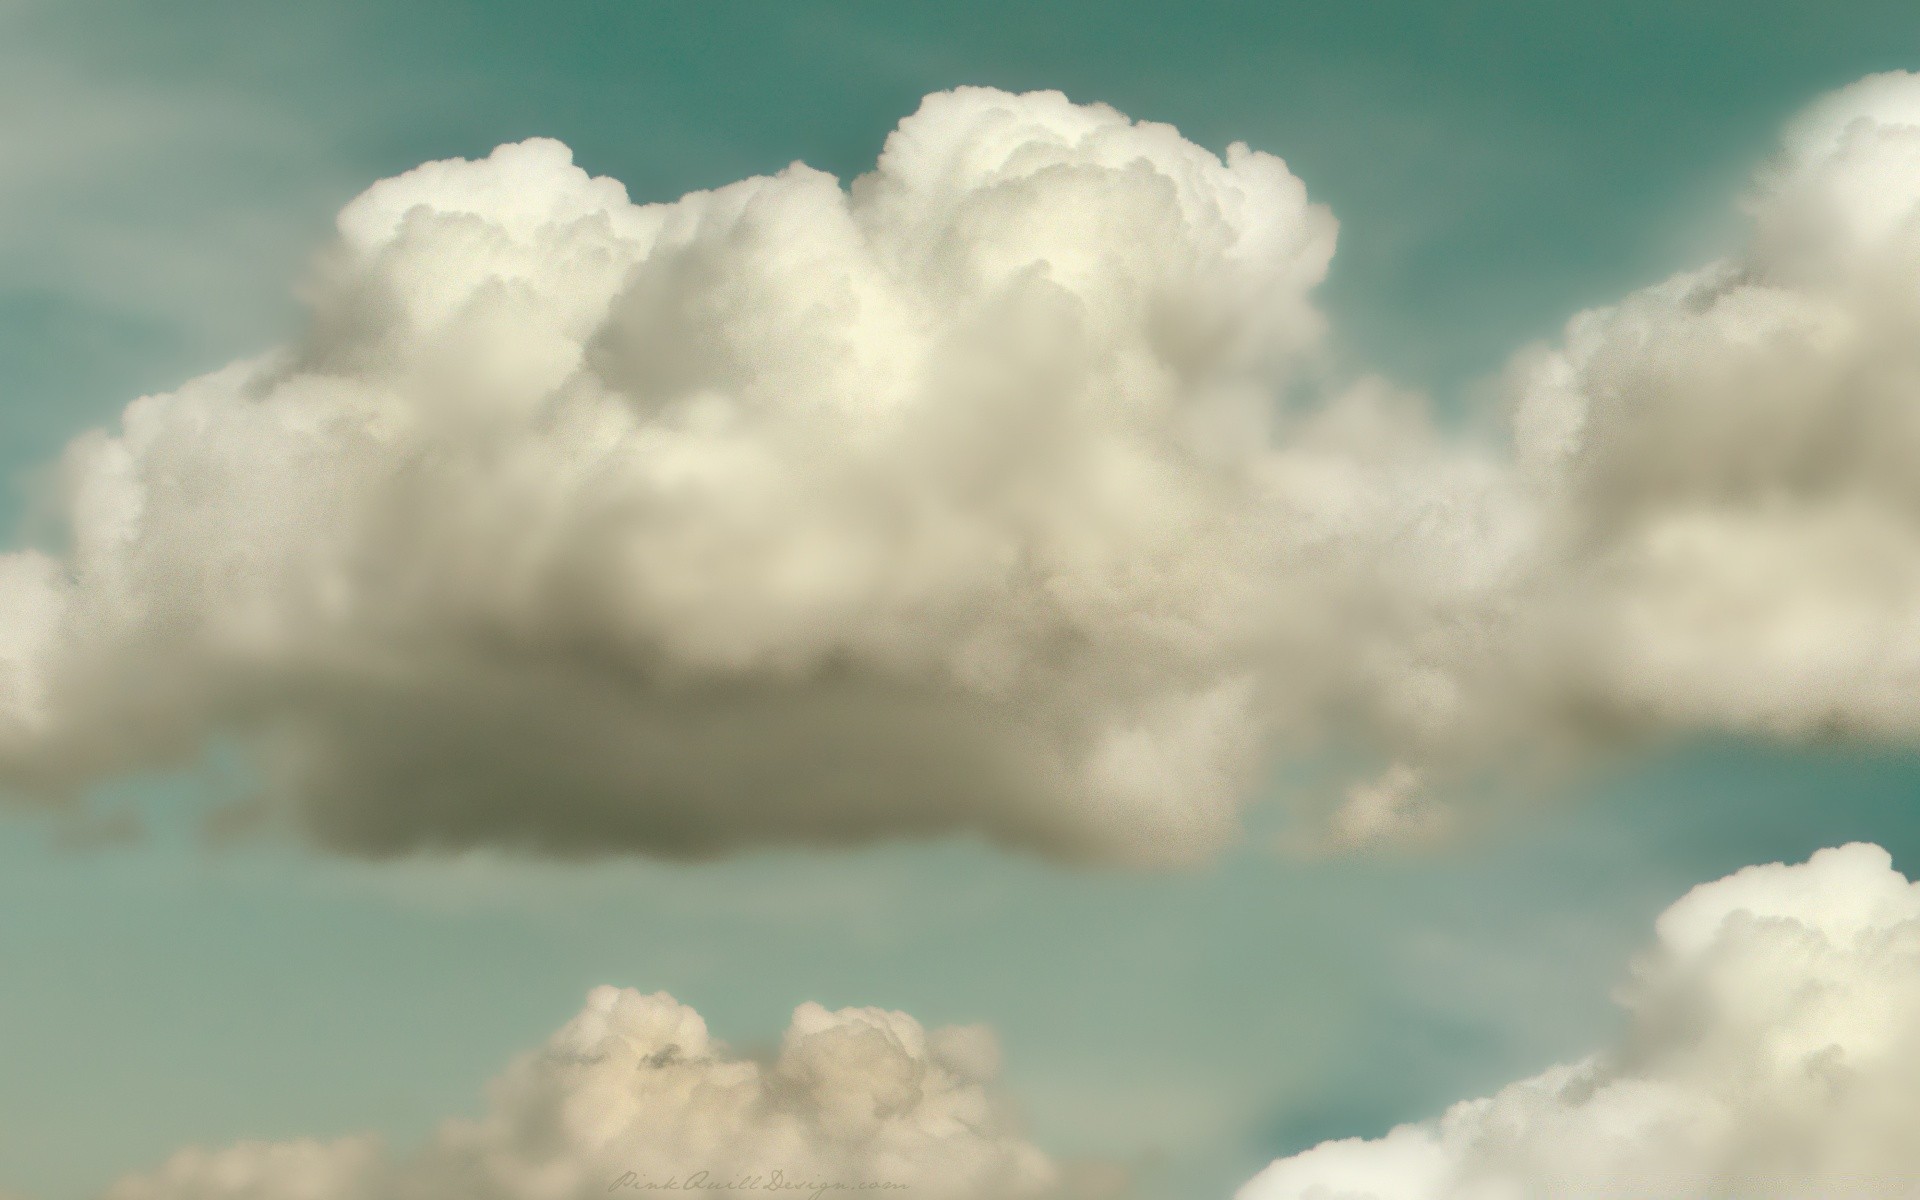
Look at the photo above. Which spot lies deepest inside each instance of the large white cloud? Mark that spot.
(1005, 490)
(781, 512)
(958, 499)
(633, 1097)
(1770, 1054)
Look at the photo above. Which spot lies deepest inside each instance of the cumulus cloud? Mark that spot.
(1006, 489)
(783, 512)
(1719, 529)
(633, 1094)
(1711, 479)
(1769, 1054)
(1725, 457)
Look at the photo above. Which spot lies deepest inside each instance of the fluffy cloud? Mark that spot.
(1718, 524)
(1726, 458)
(784, 512)
(1004, 490)
(1770, 1054)
(634, 1092)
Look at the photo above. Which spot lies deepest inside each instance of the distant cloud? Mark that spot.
(1769, 1054)
(1005, 490)
(635, 1090)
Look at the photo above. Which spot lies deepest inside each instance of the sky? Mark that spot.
(167, 178)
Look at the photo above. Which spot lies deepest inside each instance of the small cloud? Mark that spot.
(1388, 812)
(634, 1089)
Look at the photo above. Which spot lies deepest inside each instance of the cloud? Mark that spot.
(1723, 457)
(1385, 811)
(783, 512)
(1768, 1054)
(1006, 490)
(634, 1089)
(1718, 529)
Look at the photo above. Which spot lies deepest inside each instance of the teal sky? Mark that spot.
(165, 170)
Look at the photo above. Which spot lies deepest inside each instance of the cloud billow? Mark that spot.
(1005, 490)
(1712, 480)
(1726, 457)
(782, 513)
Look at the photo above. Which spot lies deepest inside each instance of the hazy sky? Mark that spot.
(166, 172)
